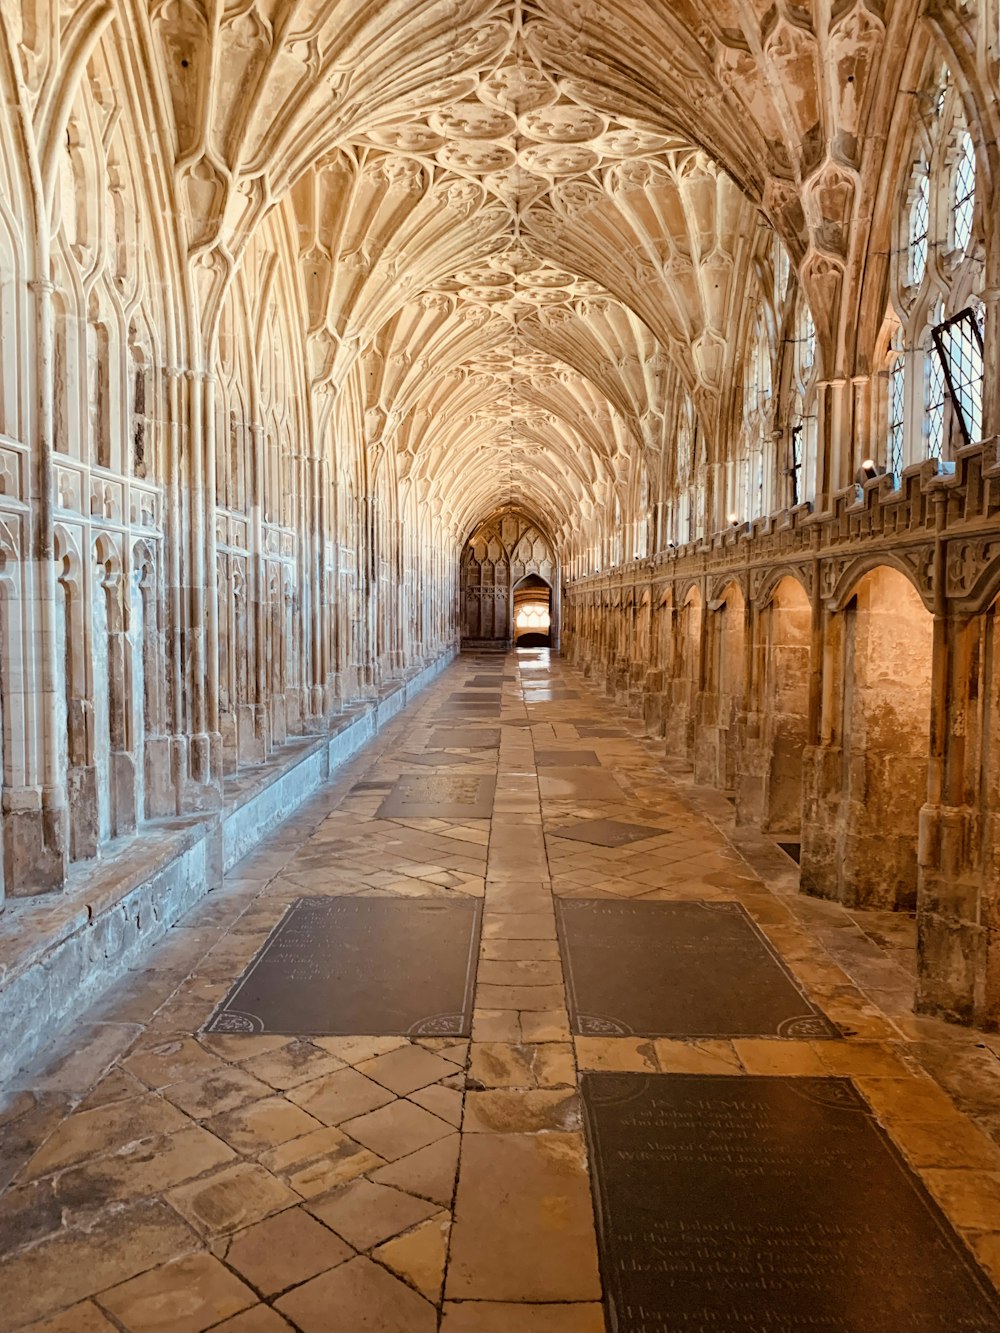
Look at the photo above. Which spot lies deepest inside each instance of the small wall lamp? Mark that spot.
(868, 471)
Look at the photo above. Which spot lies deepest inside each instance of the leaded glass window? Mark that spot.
(935, 394)
(964, 200)
(959, 356)
(897, 413)
(919, 225)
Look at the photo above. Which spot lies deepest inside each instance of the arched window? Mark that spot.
(750, 490)
(935, 394)
(933, 367)
(897, 405)
(920, 221)
(963, 203)
(803, 418)
(681, 528)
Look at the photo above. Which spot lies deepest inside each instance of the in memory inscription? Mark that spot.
(767, 1205)
(440, 796)
(371, 966)
(678, 969)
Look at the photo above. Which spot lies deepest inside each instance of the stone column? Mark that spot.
(958, 916)
(555, 628)
(35, 824)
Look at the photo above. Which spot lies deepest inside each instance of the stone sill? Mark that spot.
(59, 952)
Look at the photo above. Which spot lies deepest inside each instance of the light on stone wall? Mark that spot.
(734, 519)
(868, 471)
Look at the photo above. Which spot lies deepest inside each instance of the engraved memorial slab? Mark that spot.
(768, 1205)
(592, 731)
(685, 969)
(466, 738)
(487, 682)
(443, 759)
(440, 796)
(361, 966)
(566, 759)
(476, 698)
(588, 785)
(607, 832)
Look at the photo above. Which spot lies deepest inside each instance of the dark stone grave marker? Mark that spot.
(566, 759)
(592, 731)
(607, 832)
(476, 698)
(466, 738)
(756, 1204)
(684, 969)
(442, 759)
(361, 966)
(440, 796)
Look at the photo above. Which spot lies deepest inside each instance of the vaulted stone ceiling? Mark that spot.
(526, 226)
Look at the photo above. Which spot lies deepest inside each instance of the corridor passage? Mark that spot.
(665, 1036)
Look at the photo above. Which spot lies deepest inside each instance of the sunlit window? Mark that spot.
(964, 201)
(934, 366)
(919, 225)
(897, 410)
(934, 397)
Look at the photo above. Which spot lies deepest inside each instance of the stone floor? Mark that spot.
(161, 1178)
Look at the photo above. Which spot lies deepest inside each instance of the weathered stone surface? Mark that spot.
(523, 1225)
(284, 1250)
(189, 1293)
(356, 1297)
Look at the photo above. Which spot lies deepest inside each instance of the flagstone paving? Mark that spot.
(157, 1177)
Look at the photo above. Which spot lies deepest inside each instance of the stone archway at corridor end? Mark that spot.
(506, 552)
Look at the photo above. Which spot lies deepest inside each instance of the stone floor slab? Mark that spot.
(185, 1296)
(681, 969)
(523, 1228)
(358, 1297)
(605, 832)
(759, 1201)
(341, 966)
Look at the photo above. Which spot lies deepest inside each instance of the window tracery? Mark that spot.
(936, 270)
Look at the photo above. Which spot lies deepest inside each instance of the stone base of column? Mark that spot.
(35, 843)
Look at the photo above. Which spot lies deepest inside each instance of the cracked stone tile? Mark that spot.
(289, 1066)
(232, 1198)
(521, 1111)
(429, 1172)
(190, 1293)
(176, 1060)
(440, 1101)
(397, 1130)
(216, 1091)
(75, 1263)
(404, 1070)
(354, 1050)
(261, 1125)
(419, 1256)
(319, 1161)
(356, 1297)
(142, 1167)
(510, 1240)
(284, 1250)
(85, 1317)
(340, 1096)
(365, 1213)
(102, 1130)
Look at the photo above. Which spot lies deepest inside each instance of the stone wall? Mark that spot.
(842, 686)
